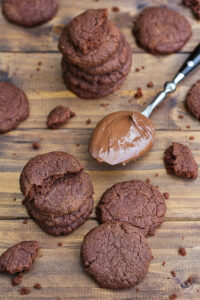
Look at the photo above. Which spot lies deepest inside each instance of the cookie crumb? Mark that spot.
(148, 180)
(37, 286)
(143, 67)
(137, 289)
(38, 69)
(139, 93)
(24, 291)
(182, 238)
(59, 244)
(88, 121)
(17, 279)
(156, 175)
(188, 126)
(166, 195)
(173, 297)
(25, 221)
(14, 154)
(191, 138)
(39, 63)
(137, 70)
(115, 9)
(77, 145)
(104, 104)
(163, 263)
(182, 251)
(173, 273)
(36, 145)
(181, 116)
(14, 199)
(150, 84)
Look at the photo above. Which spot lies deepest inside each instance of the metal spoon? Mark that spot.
(124, 136)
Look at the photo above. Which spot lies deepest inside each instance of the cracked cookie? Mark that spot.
(29, 13)
(161, 30)
(136, 202)
(19, 258)
(180, 161)
(58, 193)
(116, 255)
(14, 106)
(193, 100)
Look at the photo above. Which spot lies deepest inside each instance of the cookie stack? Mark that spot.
(58, 193)
(96, 56)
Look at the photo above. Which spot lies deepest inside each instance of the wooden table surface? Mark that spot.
(59, 269)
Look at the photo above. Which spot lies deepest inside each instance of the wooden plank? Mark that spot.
(45, 90)
(44, 38)
(59, 270)
(184, 194)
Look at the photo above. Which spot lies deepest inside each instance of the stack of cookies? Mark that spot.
(58, 193)
(96, 56)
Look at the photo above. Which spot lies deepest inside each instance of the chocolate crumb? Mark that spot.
(143, 67)
(17, 279)
(181, 116)
(137, 290)
(191, 138)
(60, 244)
(182, 251)
(77, 145)
(173, 273)
(36, 145)
(188, 126)
(137, 70)
(38, 69)
(173, 296)
(150, 84)
(37, 286)
(148, 180)
(166, 195)
(156, 175)
(115, 9)
(88, 122)
(104, 104)
(14, 154)
(39, 63)
(163, 263)
(25, 221)
(138, 94)
(24, 291)
(14, 199)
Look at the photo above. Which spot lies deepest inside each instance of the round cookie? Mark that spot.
(89, 39)
(14, 106)
(160, 30)
(58, 193)
(135, 202)
(193, 100)
(107, 79)
(116, 255)
(30, 13)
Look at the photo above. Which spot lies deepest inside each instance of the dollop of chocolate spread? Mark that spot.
(121, 137)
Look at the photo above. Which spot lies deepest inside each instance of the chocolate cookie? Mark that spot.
(29, 13)
(194, 5)
(58, 192)
(72, 71)
(14, 106)
(89, 39)
(135, 202)
(59, 116)
(116, 255)
(193, 100)
(160, 30)
(180, 161)
(19, 258)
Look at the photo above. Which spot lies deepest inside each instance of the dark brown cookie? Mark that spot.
(180, 161)
(19, 258)
(58, 193)
(135, 202)
(89, 39)
(29, 13)
(116, 255)
(194, 5)
(59, 116)
(99, 93)
(160, 30)
(193, 100)
(72, 71)
(14, 106)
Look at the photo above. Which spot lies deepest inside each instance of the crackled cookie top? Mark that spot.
(136, 202)
(116, 255)
(30, 12)
(160, 30)
(14, 106)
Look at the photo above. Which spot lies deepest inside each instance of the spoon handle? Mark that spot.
(189, 65)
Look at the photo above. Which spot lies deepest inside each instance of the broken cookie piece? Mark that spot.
(59, 116)
(180, 161)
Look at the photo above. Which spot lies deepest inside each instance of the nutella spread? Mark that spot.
(121, 137)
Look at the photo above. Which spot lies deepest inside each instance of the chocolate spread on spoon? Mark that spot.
(121, 137)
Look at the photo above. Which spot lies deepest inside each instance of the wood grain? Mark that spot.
(59, 270)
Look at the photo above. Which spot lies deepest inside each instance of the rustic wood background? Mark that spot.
(59, 270)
